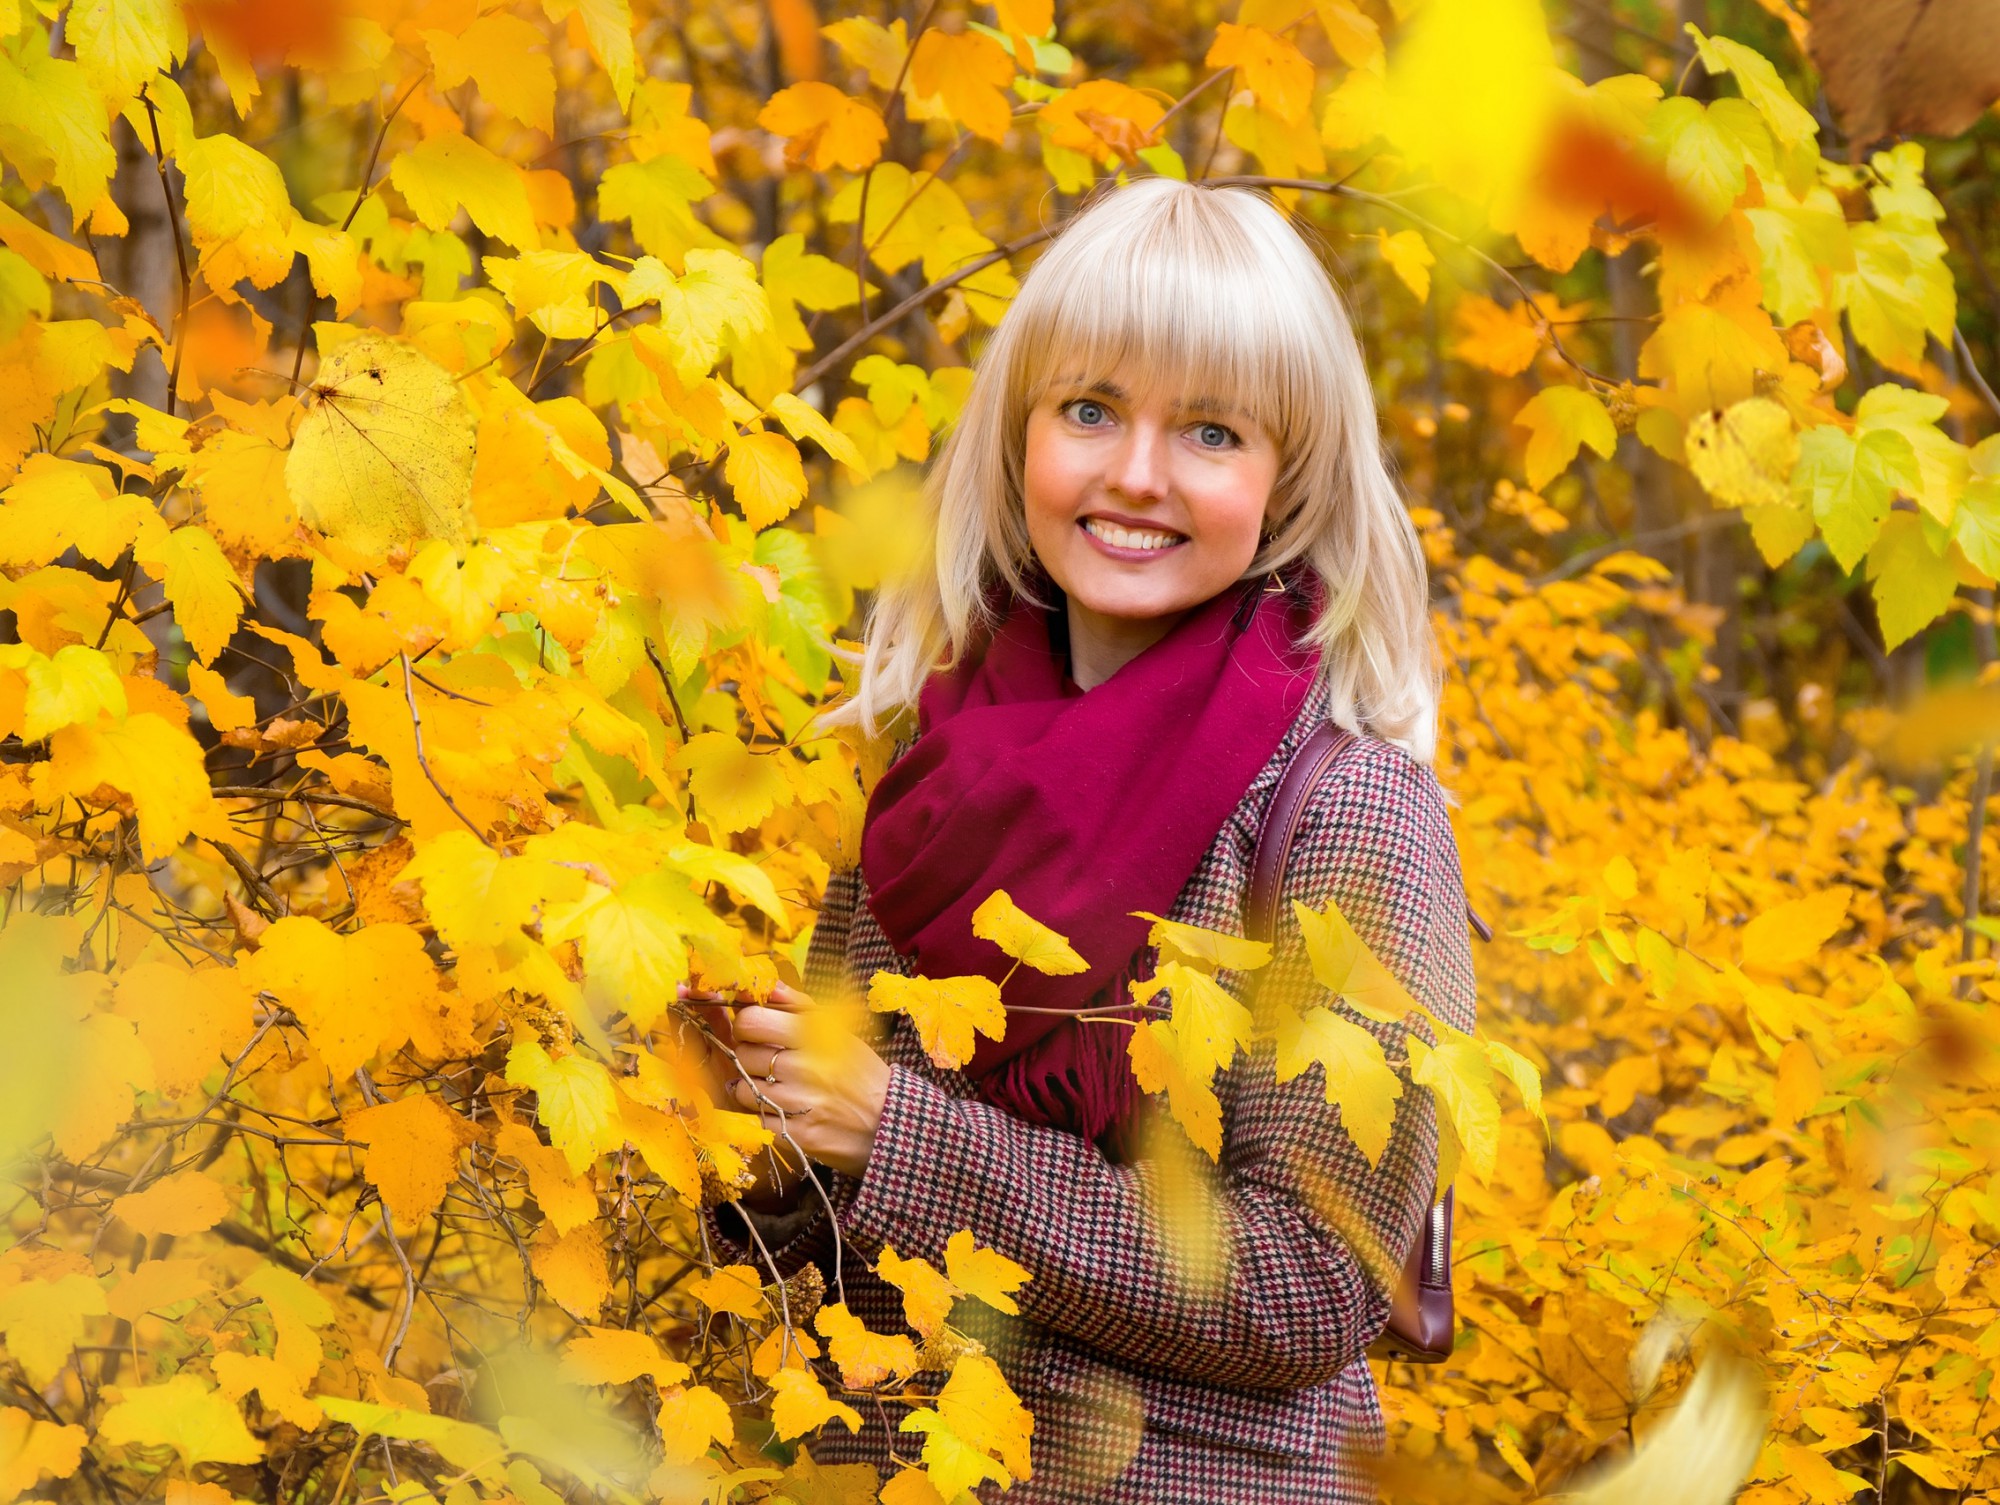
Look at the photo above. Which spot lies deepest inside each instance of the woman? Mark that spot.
(1166, 548)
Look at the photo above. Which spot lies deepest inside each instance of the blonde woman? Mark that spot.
(1166, 549)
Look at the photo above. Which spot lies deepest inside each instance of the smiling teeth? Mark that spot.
(1129, 538)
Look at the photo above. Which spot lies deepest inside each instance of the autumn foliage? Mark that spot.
(445, 450)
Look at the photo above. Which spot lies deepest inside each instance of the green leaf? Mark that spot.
(1913, 583)
(1848, 484)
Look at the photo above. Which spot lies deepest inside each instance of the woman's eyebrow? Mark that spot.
(1215, 405)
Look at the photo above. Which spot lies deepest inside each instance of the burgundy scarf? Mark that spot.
(1084, 807)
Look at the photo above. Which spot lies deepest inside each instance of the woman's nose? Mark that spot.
(1140, 467)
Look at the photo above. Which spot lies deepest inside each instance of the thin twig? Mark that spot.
(417, 731)
(180, 252)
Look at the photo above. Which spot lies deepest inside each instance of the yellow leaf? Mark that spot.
(1795, 930)
(77, 686)
(733, 788)
(383, 454)
(1745, 454)
(31, 1449)
(1357, 1075)
(1799, 1085)
(176, 1205)
(412, 1150)
(123, 43)
(1559, 421)
(54, 505)
(804, 421)
(1213, 950)
(574, 1100)
(59, 118)
(865, 1358)
(572, 1267)
(927, 1294)
(356, 994)
(983, 1273)
(156, 1284)
(1469, 95)
(979, 1430)
(1462, 1077)
(912, 1486)
(946, 1011)
(509, 60)
(240, 215)
(1504, 341)
(151, 761)
(450, 171)
(567, 1200)
(1410, 258)
(824, 127)
(185, 1415)
(42, 1320)
(227, 711)
(1156, 1065)
(276, 1386)
(1208, 1022)
(735, 1289)
(783, 1348)
(1344, 965)
(617, 1356)
(876, 49)
(1269, 66)
(200, 584)
(999, 920)
(690, 1419)
(800, 1404)
(969, 74)
(662, 1142)
(1355, 36)
(296, 1310)
(1709, 357)
(764, 472)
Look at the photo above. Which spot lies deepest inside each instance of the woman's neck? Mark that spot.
(1099, 646)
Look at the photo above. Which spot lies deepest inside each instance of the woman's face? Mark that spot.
(1142, 511)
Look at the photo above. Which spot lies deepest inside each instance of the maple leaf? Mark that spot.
(1155, 1052)
(865, 1358)
(383, 454)
(927, 1294)
(617, 1356)
(1745, 456)
(184, 1414)
(1461, 1075)
(55, 504)
(999, 920)
(177, 1205)
(985, 1274)
(968, 73)
(1357, 1076)
(574, 1100)
(237, 1374)
(946, 1011)
(32, 1449)
(1269, 66)
(566, 1199)
(1560, 420)
(736, 1289)
(412, 1151)
(1209, 950)
(508, 58)
(690, 1419)
(824, 127)
(979, 1430)
(800, 1404)
(572, 1267)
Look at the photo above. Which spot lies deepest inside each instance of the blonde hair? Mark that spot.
(1196, 290)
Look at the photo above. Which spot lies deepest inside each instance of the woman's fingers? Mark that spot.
(757, 1024)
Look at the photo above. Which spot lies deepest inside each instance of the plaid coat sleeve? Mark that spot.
(1308, 1237)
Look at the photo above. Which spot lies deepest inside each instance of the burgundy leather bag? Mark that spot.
(1422, 1324)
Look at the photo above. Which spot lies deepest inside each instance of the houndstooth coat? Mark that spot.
(1159, 1362)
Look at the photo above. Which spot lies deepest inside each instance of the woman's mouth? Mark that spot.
(1130, 540)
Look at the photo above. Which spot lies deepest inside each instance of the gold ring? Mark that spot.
(771, 1071)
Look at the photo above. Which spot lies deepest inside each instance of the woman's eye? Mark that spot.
(1215, 435)
(1087, 413)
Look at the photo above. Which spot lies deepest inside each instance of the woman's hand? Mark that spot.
(810, 1081)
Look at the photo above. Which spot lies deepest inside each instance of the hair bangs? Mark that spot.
(1179, 308)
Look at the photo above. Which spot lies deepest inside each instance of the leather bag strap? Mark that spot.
(1422, 1325)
